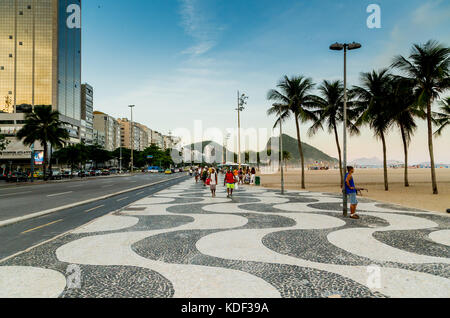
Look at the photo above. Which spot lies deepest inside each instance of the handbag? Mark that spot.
(208, 181)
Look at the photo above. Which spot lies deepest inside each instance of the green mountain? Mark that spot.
(311, 154)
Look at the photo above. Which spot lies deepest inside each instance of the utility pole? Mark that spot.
(132, 138)
(281, 153)
(242, 101)
(345, 47)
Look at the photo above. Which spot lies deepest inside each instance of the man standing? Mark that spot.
(229, 182)
(351, 191)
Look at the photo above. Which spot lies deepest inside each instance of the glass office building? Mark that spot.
(40, 61)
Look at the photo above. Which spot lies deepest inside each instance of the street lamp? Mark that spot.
(281, 150)
(242, 101)
(132, 138)
(345, 47)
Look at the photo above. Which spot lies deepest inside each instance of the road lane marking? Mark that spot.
(122, 199)
(96, 208)
(16, 193)
(140, 193)
(57, 194)
(42, 226)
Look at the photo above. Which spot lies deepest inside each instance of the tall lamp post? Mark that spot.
(281, 152)
(242, 101)
(132, 138)
(339, 47)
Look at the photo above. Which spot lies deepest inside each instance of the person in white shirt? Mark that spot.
(213, 182)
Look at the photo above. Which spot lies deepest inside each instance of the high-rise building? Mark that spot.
(40, 64)
(130, 137)
(87, 115)
(109, 127)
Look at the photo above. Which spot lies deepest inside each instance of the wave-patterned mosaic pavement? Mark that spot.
(260, 244)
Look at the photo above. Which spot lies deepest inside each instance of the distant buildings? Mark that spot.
(110, 128)
(87, 114)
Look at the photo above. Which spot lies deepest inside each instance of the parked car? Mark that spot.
(67, 174)
(17, 176)
(168, 171)
(56, 174)
(91, 173)
(82, 174)
(113, 171)
(105, 172)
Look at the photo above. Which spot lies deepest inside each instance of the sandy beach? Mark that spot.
(418, 195)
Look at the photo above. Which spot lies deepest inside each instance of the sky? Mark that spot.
(180, 61)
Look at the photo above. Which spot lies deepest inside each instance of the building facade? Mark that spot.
(40, 64)
(110, 128)
(87, 114)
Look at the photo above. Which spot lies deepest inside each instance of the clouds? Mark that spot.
(196, 21)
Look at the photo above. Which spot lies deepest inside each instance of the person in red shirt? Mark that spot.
(229, 181)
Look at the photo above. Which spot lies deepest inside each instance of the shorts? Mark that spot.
(213, 187)
(230, 186)
(353, 199)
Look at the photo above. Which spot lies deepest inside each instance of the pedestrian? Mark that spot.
(229, 182)
(241, 176)
(213, 182)
(191, 172)
(253, 176)
(351, 191)
(205, 176)
(196, 175)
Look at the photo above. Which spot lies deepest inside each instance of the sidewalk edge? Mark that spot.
(69, 206)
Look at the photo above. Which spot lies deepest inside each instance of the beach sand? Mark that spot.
(418, 195)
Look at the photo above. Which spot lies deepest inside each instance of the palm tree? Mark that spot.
(428, 65)
(442, 119)
(294, 94)
(43, 125)
(373, 105)
(330, 112)
(286, 157)
(404, 111)
(3, 142)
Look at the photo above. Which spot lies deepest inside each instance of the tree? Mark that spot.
(3, 142)
(72, 155)
(43, 126)
(442, 119)
(373, 105)
(330, 112)
(404, 111)
(428, 66)
(294, 95)
(98, 155)
(286, 157)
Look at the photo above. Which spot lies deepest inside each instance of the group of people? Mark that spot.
(209, 177)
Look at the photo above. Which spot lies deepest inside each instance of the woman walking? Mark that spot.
(253, 176)
(213, 182)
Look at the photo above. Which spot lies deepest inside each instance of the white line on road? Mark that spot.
(57, 194)
(96, 208)
(122, 199)
(140, 193)
(16, 193)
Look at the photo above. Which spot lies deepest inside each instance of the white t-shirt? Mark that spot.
(213, 179)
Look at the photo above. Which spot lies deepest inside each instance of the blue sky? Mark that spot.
(184, 60)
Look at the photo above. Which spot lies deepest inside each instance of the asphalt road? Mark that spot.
(23, 199)
(23, 235)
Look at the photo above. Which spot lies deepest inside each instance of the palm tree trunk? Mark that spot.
(430, 147)
(300, 149)
(340, 156)
(405, 149)
(386, 184)
(45, 161)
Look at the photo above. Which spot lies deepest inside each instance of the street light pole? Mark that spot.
(132, 138)
(281, 153)
(345, 47)
(242, 101)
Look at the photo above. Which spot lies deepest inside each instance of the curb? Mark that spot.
(69, 206)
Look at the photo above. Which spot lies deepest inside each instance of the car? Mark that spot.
(55, 174)
(66, 174)
(82, 174)
(91, 173)
(106, 172)
(98, 172)
(168, 171)
(17, 176)
(113, 171)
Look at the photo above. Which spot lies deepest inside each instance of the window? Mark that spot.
(10, 37)
(2, 68)
(10, 55)
(20, 43)
(20, 12)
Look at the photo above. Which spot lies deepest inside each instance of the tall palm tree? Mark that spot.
(442, 119)
(403, 104)
(287, 156)
(294, 94)
(43, 125)
(330, 112)
(428, 65)
(373, 105)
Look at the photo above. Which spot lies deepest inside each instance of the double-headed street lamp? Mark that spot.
(345, 47)
(132, 137)
(242, 101)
